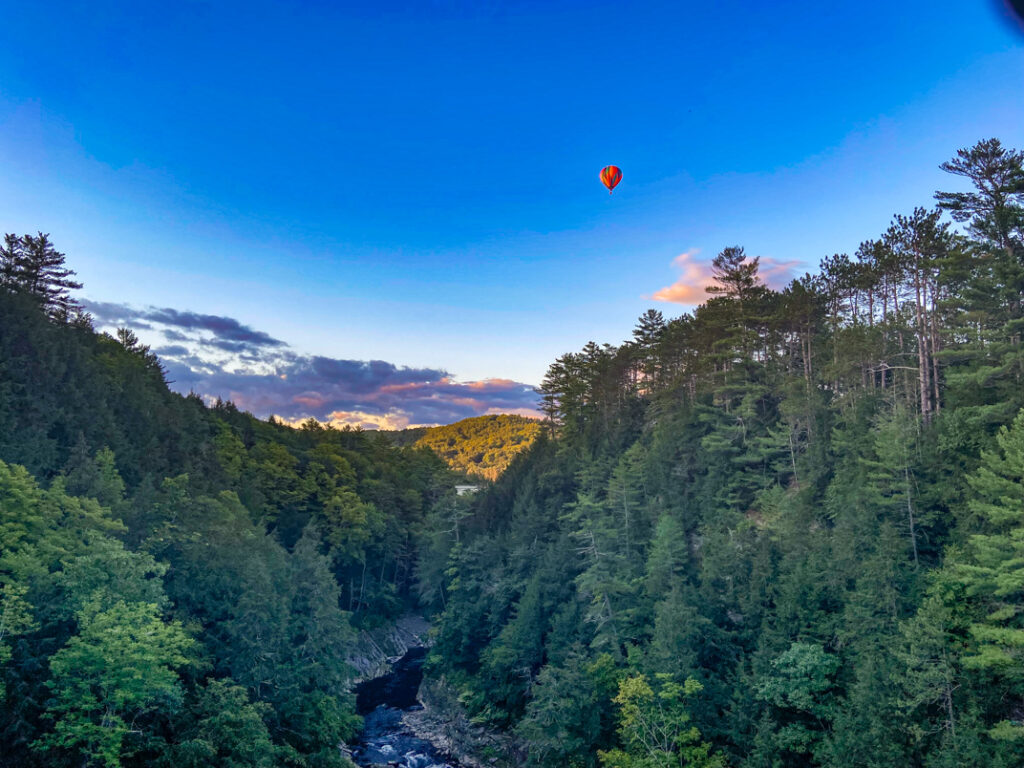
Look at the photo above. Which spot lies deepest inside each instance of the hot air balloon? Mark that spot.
(610, 176)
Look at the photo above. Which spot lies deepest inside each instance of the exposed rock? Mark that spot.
(439, 720)
(375, 650)
(398, 689)
(443, 722)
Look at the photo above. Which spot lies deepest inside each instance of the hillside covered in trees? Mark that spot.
(786, 529)
(480, 446)
(179, 584)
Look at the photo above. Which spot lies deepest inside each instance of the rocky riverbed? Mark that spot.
(412, 723)
(409, 722)
(384, 702)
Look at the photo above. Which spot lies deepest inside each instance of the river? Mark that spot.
(385, 740)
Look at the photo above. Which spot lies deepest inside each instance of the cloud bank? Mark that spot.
(219, 357)
(691, 287)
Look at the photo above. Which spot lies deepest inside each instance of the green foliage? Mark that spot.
(988, 576)
(804, 505)
(803, 500)
(481, 446)
(566, 715)
(221, 726)
(655, 727)
(798, 687)
(32, 266)
(151, 547)
(120, 666)
(992, 569)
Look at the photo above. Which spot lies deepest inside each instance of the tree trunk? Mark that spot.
(922, 351)
(935, 344)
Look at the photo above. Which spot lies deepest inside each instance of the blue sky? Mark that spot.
(417, 183)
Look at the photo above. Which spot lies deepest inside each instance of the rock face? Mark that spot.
(442, 721)
(375, 650)
(397, 689)
(424, 728)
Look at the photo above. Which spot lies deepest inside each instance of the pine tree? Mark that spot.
(647, 336)
(735, 275)
(564, 717)
(31, 264)
(800, 688)
(995, 212)
(12, 262)
(991, 571)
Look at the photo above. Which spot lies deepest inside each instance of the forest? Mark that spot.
(179, 583)
(786, 529)
(480, 446)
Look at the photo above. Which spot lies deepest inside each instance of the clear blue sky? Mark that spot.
(418, 182)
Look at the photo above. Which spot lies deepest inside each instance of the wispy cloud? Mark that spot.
(691, 287)
(779, 274)
(225, 333)
(219, 357)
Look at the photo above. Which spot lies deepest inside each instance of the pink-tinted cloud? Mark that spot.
(530, 413)
(342, 392)
(218, 357)
(469, 402)
(364, 420)
(778, 274)
(413, 386)
(490, 383)
(311, 400)
(691, 287)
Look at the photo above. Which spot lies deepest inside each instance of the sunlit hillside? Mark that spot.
(482, 446)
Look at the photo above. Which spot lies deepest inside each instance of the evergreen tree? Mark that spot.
(32, 264)
(564, 718)
(995, 211)
(991, 572)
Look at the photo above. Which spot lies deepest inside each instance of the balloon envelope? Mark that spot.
(610, 176)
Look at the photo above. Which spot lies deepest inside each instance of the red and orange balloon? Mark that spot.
(610, 176)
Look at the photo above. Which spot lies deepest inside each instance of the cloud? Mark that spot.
(530, 413)
(225, 333)
(370, 393)
(392, 420)
(360, 419)
(778, 274)
(691, 287)
(218, 357)
(223, 328)
(175, 350)
(116, 315)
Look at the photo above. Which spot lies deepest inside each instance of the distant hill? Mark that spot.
(482, 446)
